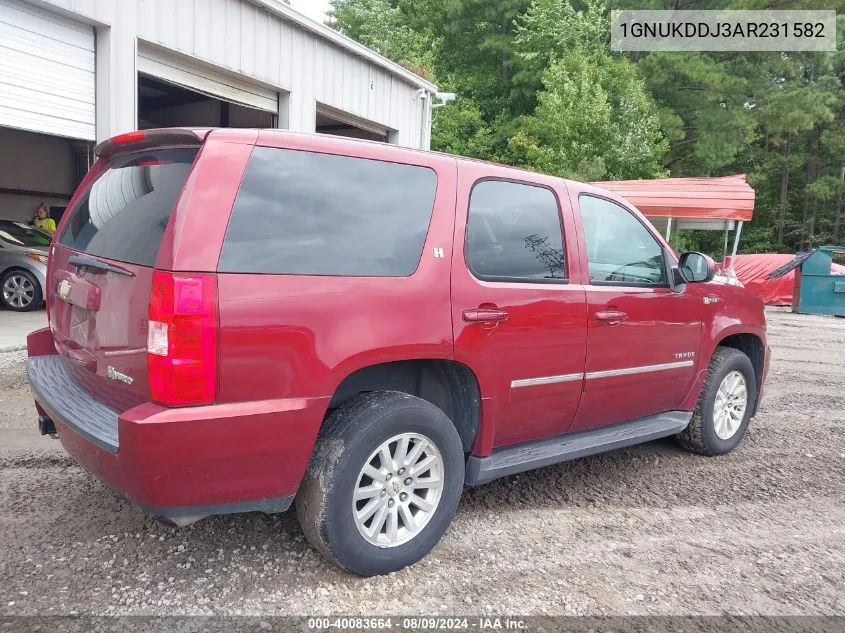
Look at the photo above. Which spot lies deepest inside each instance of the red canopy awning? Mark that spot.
(723, 198)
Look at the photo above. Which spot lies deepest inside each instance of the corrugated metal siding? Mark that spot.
(245, 38)
(259, 44)
(264, 46)
(47, 81)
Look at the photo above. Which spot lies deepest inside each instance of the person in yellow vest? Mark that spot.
(43, 221)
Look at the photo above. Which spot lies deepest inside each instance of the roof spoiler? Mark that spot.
(144, 139)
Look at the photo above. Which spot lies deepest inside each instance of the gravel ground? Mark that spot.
(648, 530)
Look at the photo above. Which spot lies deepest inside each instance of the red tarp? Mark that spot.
(753, 272)
(724, 198)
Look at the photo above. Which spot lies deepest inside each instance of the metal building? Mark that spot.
(74, 72)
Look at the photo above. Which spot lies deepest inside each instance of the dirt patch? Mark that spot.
(647, 530)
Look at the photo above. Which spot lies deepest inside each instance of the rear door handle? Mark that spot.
(485, 315)
(611, 317)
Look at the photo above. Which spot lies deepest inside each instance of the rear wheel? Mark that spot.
(724, 407)
(384, 483)
(20, 291)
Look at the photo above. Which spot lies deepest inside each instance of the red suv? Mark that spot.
(242, 319)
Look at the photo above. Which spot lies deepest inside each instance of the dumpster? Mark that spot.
(816, 289)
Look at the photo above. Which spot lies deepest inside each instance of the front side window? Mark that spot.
(514, 233)
(620, 250)
(305, 213)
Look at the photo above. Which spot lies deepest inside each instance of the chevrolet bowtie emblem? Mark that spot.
(64, 289)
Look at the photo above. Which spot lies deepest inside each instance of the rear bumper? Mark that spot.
(215, 459)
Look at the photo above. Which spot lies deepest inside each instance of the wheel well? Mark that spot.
(751, 346)
(449, 385)
(12, 269)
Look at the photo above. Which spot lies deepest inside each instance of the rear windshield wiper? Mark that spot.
(90, 262)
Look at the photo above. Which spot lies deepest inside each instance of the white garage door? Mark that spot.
(204, 78)
(46, 72)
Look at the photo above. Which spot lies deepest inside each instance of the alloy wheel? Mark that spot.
(398, 490)
(730, 405)
(18, 291)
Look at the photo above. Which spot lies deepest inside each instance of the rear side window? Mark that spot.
(124, 213)
(305, 213)
(514, 233)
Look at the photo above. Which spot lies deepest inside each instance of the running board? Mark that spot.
(529, 455)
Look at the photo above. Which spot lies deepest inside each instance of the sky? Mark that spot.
(314, 9)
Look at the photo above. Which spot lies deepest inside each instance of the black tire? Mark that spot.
(700, 436)
(351, 434)
(37, 298)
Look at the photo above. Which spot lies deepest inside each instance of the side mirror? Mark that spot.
(696, 267)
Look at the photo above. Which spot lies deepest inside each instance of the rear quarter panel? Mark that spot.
(195, 232)
(298, 336)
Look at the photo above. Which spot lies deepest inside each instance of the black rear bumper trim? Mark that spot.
(69, 404)
(267, 506)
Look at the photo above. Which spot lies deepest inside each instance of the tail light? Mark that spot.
(182, 339)
(49, 283)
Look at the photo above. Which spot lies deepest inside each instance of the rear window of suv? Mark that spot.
(307, 213)
(124, 213)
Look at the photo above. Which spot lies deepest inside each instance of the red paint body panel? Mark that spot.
(737, 311)
(199, 456)
(40, 343)
(299, 336)
(95, 339)
(544, 334)
(195, 232)
(286, 342)
(660, 324)
(218, 455)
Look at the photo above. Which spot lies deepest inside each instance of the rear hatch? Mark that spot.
(101, 269)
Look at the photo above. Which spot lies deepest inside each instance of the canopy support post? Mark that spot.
(736, 246)
(668, 229)
(725, 247)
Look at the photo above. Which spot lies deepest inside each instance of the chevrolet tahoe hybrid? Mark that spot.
(242, 320)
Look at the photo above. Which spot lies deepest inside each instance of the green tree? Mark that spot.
(382, 26)
(538, 87)
(546, 31)
(594, 121)
(594, 118)
(461, 129)
(704, 109)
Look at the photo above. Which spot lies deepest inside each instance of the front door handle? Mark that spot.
(611, 317)
(485, 315)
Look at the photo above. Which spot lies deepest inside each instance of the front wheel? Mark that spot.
(384, 483)
(724, 407)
